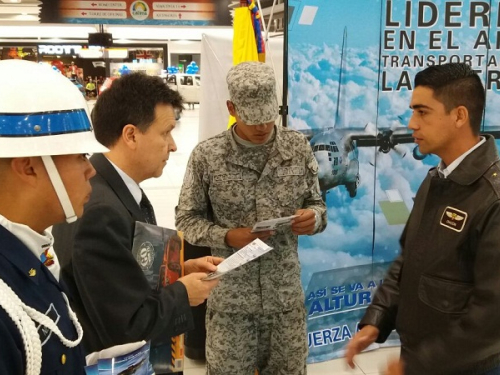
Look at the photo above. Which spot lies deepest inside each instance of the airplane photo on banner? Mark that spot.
(336, 149)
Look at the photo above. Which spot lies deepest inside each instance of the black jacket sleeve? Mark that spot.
(118, 301)
(383, 310)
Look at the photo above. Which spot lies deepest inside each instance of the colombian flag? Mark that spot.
(248, 43)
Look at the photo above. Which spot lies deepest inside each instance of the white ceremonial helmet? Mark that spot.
(42, 113)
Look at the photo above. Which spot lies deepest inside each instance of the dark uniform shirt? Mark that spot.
(36, 287)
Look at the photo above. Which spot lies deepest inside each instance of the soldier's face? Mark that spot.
(257, 134)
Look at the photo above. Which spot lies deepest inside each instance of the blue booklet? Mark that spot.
(133, 363)
(91, 370)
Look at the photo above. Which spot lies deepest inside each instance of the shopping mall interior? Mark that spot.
(155, 49)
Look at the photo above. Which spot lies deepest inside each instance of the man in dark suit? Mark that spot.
(134, 119)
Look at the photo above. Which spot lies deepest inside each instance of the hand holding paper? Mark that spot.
(197, 288)
(272, 224)
(248, 253)
(304, 222)
(206, 264)
(239, 237)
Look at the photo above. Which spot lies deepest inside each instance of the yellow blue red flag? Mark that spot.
(248, 43)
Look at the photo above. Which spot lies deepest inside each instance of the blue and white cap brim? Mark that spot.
(42, 113)
(70, 132)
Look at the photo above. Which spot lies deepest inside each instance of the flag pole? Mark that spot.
(284, 106)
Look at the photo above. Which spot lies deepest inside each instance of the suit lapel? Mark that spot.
(104, 168)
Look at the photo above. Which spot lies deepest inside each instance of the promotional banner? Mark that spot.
(351, 70)
(137, 12)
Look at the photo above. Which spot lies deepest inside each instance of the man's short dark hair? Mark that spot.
(456, 84)
(131, 99)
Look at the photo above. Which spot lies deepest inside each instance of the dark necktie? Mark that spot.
(147, 209)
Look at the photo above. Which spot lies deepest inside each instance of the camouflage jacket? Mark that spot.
(222, 190)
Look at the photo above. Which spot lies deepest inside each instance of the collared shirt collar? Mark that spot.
(132, 186)
(444, 172)
(475, 164)
(36, 243)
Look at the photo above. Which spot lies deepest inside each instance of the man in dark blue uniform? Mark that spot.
(45, 135)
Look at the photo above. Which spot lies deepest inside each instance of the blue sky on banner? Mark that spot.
(315, 56)
(315, 46)
(314, 63)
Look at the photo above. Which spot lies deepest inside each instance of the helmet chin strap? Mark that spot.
(61, 192)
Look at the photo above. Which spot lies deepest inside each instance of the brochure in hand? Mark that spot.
(273, 224)
(253, 250)
(160, 254)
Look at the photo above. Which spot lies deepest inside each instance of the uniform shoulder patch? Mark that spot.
(313, 166)
(493, 176)
(188, 178)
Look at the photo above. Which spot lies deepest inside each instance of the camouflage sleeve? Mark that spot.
(192, 214)
(313, 199)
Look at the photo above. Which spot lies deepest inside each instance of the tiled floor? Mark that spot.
(370, 363)
(164, 194)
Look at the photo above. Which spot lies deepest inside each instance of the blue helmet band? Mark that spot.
(43, 123)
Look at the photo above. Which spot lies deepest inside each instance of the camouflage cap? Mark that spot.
(252, 89)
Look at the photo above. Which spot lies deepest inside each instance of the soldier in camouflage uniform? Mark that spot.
(249, 173)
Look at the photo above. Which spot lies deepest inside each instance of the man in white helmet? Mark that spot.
(45, 135)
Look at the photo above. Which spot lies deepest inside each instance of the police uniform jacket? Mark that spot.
(221, 180)
(442, 294)
(35, 285)
(112, 297)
